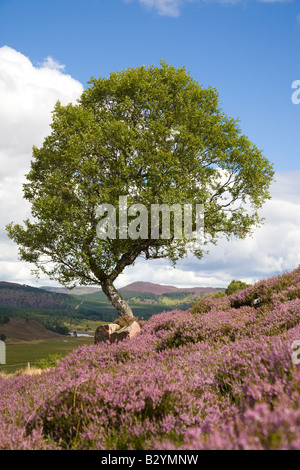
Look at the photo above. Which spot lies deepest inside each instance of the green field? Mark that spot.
(74, 313)
(19, 354)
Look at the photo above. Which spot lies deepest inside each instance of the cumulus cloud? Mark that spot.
(27, 96)
(50, 63)
(273, 249)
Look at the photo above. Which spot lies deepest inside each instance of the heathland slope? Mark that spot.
(221, 375)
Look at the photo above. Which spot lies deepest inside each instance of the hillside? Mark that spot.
(19, 330)
(48, 307)
(17, 295)
(143, 303)
(75, 291)
(223, 375)
(160, 289)
(139, 286)
(54, 306)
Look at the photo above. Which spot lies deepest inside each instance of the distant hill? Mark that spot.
(76, 291)
(160, 289)
(51, 308)
(19, 330)
(9, 284)
(56, 306)
(138, 286)
(18, 295)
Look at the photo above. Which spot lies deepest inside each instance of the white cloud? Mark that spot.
(27, 96)
(163, 7)
(273, 249)
(173, 8)
(50, 63)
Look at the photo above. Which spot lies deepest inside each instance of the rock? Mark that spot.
(128, 331)
(257, 303)
(104, 332)
(125, 320)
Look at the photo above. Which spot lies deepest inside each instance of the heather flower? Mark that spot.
(217, 376)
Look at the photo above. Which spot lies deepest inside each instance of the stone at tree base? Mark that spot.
(122, 328)
(104, 332)
(125, 320)
(128, 331)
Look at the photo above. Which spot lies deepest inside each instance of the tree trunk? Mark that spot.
(116, 299)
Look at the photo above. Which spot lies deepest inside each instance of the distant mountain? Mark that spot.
(160, 289)
(52, 306)
(75, 291)
(139, 286)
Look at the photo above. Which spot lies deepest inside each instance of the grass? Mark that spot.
(83, 326)
(18, 355)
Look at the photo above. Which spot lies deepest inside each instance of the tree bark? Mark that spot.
(116, 299)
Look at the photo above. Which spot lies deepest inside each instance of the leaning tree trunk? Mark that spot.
(116, 299)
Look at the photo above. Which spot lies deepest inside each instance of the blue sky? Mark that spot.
(247, 49)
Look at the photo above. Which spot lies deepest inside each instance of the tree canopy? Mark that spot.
(235, 286)
(156, 136)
